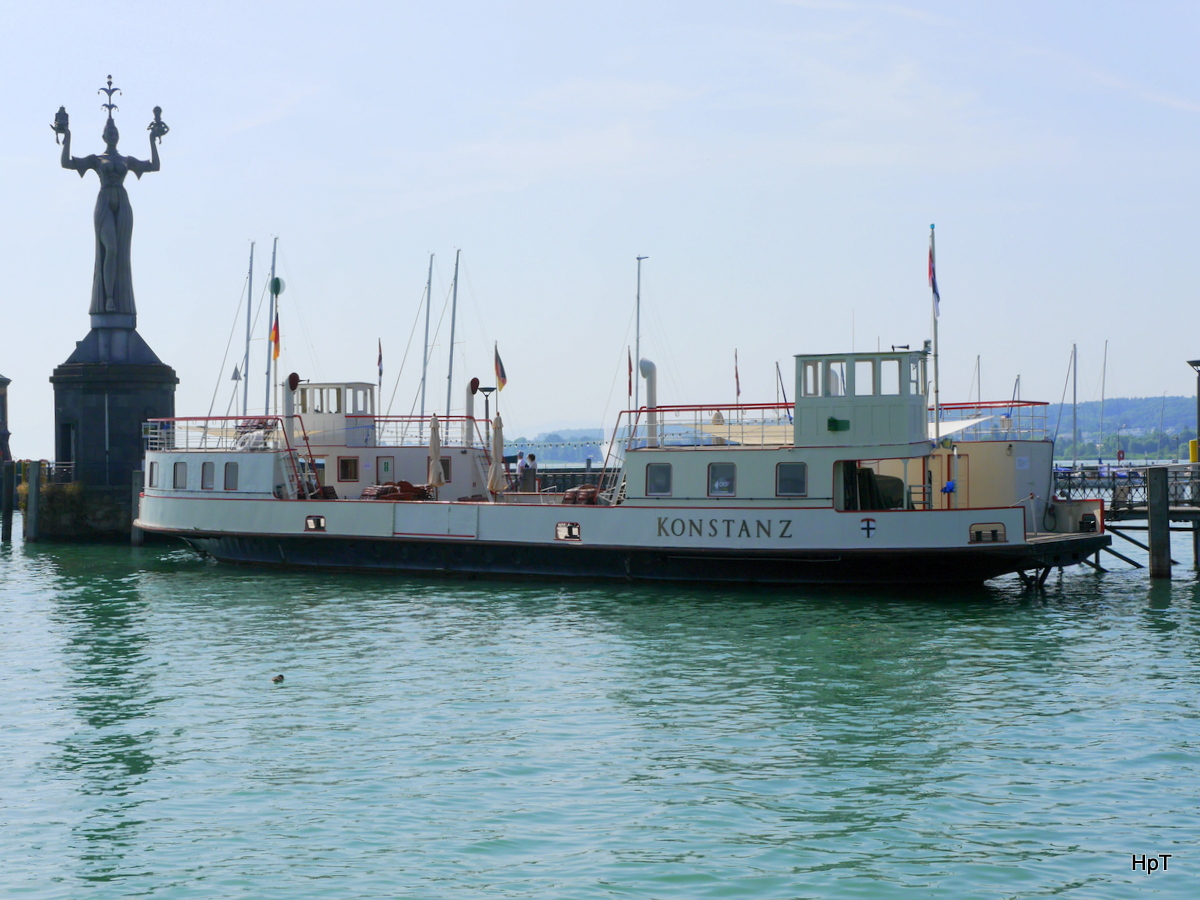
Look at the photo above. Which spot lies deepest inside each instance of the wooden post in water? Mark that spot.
(1158, 512)
(136, 535)
(33, 481)
(8, 490)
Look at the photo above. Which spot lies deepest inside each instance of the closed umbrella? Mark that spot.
(497, 481)
(437, 477)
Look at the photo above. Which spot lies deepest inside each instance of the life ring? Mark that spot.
(1120, 456)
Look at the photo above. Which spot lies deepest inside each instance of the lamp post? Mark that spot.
(1195, 364)
(487, 412)
(1120, 455)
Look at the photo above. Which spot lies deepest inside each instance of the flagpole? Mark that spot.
(937, 406)
(270, 325)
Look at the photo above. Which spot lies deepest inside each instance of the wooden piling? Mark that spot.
(1158, 514)
(8, 499)
(136, 535)
(33, 500)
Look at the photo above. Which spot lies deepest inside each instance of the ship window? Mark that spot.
(302, 406)
(835, 378)
(658, 480)
(915, 388)
(791, 479)
(180, 476)
(889, 377)
(445, 461)
(722, 480)
(335, 400)
(153, 474)
(567, 531)
(207, 474)
(231, 476)
(864, 377)
(347, 468)
(811, 385)
(314, 523)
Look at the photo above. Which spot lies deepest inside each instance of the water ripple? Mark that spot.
(448, 739)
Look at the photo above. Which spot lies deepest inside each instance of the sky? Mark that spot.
(778, 163)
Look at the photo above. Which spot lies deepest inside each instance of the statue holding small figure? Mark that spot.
(112, 281)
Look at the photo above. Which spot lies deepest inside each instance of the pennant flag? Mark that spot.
(380, 357)
(275, 337)
(237, 374)
(501, 378)
(737, 379)
(630, 352)
(937, 300)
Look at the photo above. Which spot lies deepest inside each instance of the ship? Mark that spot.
(856, 481)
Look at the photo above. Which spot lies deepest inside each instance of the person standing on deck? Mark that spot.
(529, 476)
(521, 464)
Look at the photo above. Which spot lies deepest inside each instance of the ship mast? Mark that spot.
(453, 313)
(246, 358)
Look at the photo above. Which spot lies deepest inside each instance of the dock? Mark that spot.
(1159, 495)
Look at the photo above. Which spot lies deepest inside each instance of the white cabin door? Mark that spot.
(384, 469)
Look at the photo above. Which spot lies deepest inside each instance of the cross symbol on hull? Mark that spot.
(868, 527)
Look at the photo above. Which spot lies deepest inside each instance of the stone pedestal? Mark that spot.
(109, 386)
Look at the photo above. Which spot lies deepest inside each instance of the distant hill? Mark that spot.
(571, 446)
(1149, 427)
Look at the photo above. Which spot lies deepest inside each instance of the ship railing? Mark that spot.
(756, 425)
(710, 425)
(410, 431)
(217, 433)
(992, 420)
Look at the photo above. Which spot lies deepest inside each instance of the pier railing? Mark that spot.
(1125, 486)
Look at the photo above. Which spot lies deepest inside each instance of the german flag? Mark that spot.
(501, 378)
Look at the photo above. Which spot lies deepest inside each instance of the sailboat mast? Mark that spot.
(637, 381)
(1075, 406)
(270, 325)
(246, 358)
(425, 356)
(1103, 377)
(453, 313)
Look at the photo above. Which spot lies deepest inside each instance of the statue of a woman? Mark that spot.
(112, 282)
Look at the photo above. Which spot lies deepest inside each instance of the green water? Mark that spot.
(440, 739)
